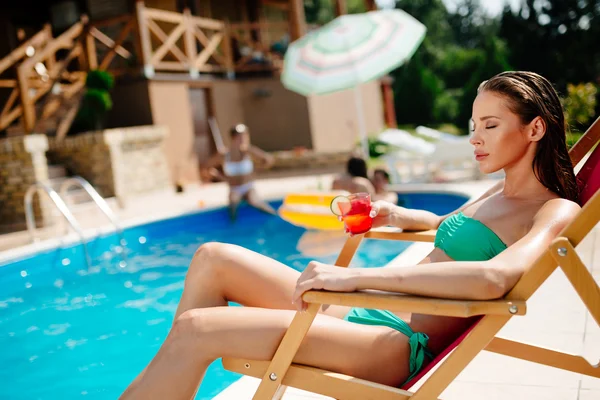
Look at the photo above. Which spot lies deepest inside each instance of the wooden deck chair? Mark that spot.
(280, 372)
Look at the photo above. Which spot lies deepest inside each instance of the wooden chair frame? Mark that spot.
(280, 372)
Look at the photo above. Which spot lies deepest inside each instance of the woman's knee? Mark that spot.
(205, 262)
(189, 330)
(207, 255)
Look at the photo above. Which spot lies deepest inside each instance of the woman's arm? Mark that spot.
(214, 161)
(452, 280)
(266, 158)
(475, 280)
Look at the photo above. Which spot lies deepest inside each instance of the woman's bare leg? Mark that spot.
(222, 272)
(200, 336)
(255, 201)
(234, 203)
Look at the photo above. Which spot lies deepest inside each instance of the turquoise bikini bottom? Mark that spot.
(417, 341)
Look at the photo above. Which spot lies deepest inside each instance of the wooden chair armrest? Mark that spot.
(397, 234)
(421, 305)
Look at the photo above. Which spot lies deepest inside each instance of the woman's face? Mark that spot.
(379, 181)
(241, 140)
(498, 135)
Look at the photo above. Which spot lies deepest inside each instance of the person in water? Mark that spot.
(481, 251)
(356, 179)
(381, 180)
(238, 170)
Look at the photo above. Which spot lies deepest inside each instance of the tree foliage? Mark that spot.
(558, 39)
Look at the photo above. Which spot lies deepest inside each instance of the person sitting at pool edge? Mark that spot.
(238, 169)
(480, 252)
(355, 180)
(381, 180)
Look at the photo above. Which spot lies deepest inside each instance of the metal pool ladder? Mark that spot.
(62, 208)
(96, 198)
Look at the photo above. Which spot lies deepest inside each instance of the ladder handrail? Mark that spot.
(62, 208)
(94, 195)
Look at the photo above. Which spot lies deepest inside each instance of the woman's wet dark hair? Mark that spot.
(529, 96)
(357, 167)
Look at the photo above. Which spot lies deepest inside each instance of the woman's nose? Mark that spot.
(475, 138)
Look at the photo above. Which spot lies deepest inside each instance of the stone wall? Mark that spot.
(22, 163)
(122, 162)
(88, 156)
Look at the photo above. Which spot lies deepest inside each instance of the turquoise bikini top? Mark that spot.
(463, 238)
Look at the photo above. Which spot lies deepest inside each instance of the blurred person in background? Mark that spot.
(356, 179)
(238, 170)
(381, 180)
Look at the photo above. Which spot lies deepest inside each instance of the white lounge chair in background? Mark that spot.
(417, 160)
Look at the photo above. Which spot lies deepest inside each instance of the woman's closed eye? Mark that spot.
(491, 127)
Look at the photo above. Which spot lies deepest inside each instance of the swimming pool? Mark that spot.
(66, 331)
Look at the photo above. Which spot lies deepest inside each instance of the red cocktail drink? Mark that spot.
(356, 214)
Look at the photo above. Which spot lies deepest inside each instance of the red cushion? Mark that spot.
(439, 357)
(589, 177)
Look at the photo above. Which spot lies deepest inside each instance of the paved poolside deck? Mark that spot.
(555, 318)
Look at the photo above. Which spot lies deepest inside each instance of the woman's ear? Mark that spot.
(537, 129)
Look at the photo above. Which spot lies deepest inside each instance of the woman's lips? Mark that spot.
(480, 157)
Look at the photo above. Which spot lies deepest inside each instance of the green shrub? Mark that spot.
(377, 148)
(95, 104)
(100, 80)
(446, 107)
(580, 105)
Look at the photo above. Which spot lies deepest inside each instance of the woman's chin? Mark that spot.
(486, 168)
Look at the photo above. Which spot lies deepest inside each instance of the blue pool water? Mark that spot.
(69, 332)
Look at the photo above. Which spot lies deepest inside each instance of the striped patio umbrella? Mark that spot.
(350, 50)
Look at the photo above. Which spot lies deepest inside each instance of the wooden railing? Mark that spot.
(118, 42)
(41, 83)
(12, 109)
(46, 83)
(195, 44)
(259, 45)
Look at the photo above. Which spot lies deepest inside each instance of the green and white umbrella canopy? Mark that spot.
(350, 50)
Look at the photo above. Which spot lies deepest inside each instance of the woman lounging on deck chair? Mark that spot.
(481, 252)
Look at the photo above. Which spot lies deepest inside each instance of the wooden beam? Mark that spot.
(208, 51)
(315, 380)
(580, 277)
(416, 304)
(297, 19)
(341, 7)
(14, 56)
(90, 48)
(568, 362)
(26, 101)
(370, 5)
(456, 362)
(155, 29)
(120, 39)
(585, 143)
(114, 46)
(169, 43)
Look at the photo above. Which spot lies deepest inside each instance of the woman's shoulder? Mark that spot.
(558, 208)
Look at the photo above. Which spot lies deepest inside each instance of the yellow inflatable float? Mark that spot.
(311, 210)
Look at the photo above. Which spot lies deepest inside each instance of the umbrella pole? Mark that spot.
(362, 129)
